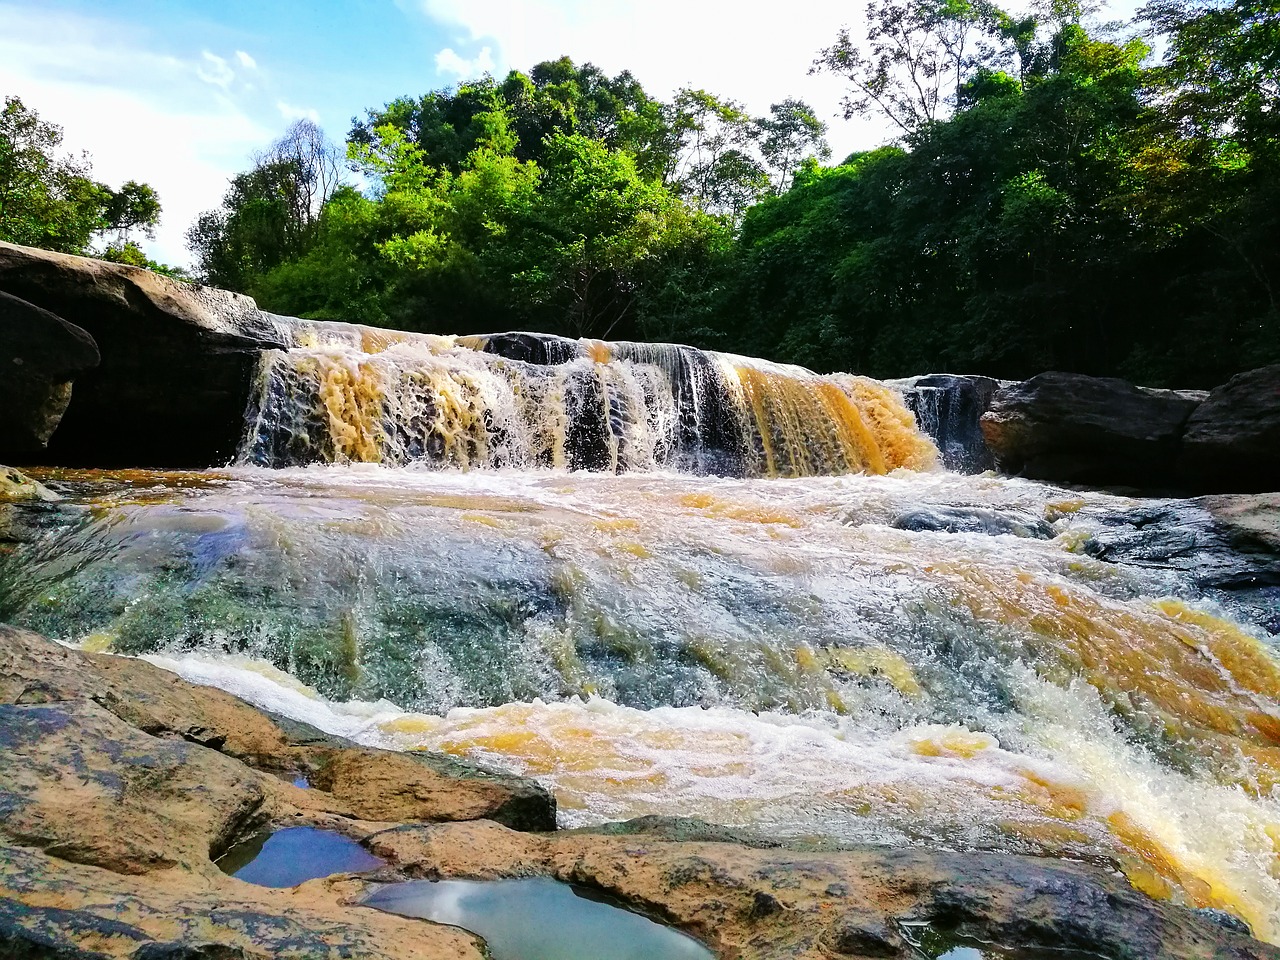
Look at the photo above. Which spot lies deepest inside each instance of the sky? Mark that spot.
(181, 93)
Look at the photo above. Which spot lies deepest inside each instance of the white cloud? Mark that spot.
(140, 114)
(667, 44)
(449, 63)
(292, 113)
(215, 70)
(246, 61)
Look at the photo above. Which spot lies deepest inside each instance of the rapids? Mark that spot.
(916, 658)
(759, 604)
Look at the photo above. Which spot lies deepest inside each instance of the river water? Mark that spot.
(778, 654)
(541, 568)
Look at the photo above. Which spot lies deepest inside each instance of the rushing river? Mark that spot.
(540, 567)
(912, 658)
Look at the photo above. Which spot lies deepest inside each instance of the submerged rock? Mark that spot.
(40, 355)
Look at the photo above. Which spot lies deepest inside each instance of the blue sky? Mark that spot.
(180, 93)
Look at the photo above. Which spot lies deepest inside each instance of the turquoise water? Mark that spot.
(291, 856)
(539, 919)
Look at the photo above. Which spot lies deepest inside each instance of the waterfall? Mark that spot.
(356, 395)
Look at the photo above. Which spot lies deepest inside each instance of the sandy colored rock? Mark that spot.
(398, 787)
(17, 486)
(753, 903)
(51, 909)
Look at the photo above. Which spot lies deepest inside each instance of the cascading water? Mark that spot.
(604, 407)
(921, 657)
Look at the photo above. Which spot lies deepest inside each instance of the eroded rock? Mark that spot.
(120, 782)
(1232, 441)
(40, 355)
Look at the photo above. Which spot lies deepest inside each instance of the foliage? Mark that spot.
(52, 201)
(270, 213)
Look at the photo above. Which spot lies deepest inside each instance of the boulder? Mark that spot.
(178, 359)
(1232, 440)
(40, 355)
(16, 486)
(949, 408)
(1071, 428)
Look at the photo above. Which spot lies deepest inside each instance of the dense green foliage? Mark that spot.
(52, 201)
(1058, 197)
(562, 200)
(1082, 213)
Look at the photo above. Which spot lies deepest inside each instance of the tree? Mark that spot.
(135, 206)
(45, 200)
(269, 213)
(791, 133)
(915, 60)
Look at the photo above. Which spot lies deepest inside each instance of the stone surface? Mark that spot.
(177, 360)
(16, 486)
(121, 782)
(747, 902)
(1070, 428)
(40, 355)
(949, 408)
(1232, 441)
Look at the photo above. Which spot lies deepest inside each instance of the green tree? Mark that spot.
(269, 214)
(46, 200)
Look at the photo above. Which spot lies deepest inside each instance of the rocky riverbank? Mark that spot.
(122, 784)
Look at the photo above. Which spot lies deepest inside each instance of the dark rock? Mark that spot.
(949, 409)
(40, 355)
(178, 360)
(543, 349)
(1232, 441)
(1071, 428)
(974, 520)
(864, 933)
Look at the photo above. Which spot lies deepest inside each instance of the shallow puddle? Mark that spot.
(539, 919)
(931, 943)
(291, 856)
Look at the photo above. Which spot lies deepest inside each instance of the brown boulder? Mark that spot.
(40, 355)
(1070, 428)
(1232, 441)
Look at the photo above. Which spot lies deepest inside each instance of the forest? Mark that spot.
(1061, 193)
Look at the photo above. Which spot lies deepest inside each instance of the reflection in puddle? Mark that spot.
(288, 857)
(931, 943)
(539, 919)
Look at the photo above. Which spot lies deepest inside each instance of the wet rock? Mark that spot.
(864, 933)
(1229, 547)
(177, 359)
(949, 409)
(536, 348)
(974, 520)
(420, 786)
(748, 902)
(356, 781)
(49, 908)
(1232, 441)
(1071, 428)
(16, 485)
(40, 355)
(107, 830)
